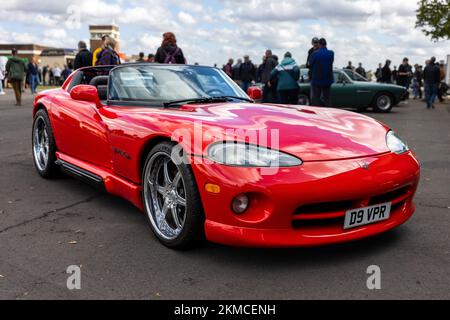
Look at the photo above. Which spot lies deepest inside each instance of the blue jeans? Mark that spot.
(1, 85)
(34, 81)
(245, 86)
(431, 92)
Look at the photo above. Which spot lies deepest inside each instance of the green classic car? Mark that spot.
(351, 90)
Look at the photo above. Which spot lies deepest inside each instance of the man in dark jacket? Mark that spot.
(315, 47)
(83, 57)
(247, 72)
(360, 70)
(431, 77)
(322, 75)
(269, 91)
(386, 73)
(15, 68)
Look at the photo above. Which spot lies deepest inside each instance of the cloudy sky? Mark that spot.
(211, 31)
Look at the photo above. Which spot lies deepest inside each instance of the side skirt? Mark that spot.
(79, 173)
(101, 177)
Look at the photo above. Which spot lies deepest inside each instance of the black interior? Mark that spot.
(101, 83)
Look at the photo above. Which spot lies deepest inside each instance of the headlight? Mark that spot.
(247, 155)
(395, 144)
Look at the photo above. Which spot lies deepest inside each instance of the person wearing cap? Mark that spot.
(315, 47)
(322, 75)
(16, 70)
(287, 74)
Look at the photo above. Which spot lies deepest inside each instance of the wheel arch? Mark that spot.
(39, 106)
(147, 147)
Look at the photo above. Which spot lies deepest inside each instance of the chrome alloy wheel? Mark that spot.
(40, 143)
(165, 196)
(384, 102)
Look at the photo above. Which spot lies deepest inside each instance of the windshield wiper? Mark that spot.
(237, 98)
(196, 100)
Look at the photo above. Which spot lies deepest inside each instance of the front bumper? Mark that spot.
(306, 205)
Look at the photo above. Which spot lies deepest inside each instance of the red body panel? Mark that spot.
(112, 142)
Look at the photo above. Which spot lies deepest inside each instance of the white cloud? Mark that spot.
(186, 18)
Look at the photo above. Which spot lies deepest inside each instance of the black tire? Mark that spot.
(49, 169)
(192, 232)
(383, 102)
(303, 100)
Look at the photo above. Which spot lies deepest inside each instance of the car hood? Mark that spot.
(310, 133)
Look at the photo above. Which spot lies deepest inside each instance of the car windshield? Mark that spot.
(355, 76)
(166, 83)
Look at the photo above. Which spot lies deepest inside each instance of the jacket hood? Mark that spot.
(15, 59)
(287, 61)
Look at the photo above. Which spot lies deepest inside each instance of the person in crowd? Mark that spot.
(56, 71)
(386, 73)
(432, 78)
(349, 66)
(169, 52)
(51, 78)
(394, 74)
(151, 58)
(360, 70)
(260, 69)
(33, 75)
(228, 68)
(141, 57)
(3, 61)
(247, 72)
(269, 89)
(442, 79)
(66, 72)
(418, 75)
(314, 48)
(98, 52)
(404, 75)
(415, 88)
(322, 75)
(44, 74)
(16, 69)
(236, 72)
(108, 56)
(379, 72)
(83, 57)
(287, 74)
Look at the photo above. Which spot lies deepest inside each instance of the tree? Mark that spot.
(433, 17)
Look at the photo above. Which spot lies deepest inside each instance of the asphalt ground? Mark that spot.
(46, 226)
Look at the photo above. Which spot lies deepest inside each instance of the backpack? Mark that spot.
(170, 57)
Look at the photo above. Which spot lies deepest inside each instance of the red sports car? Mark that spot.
(189, 148)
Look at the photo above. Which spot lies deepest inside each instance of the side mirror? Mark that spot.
(86, 93)
(254, 93)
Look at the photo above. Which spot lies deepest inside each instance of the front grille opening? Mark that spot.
(317, 223)
(324, 207)
(390, 196)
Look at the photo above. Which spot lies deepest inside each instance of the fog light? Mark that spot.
(240, 203)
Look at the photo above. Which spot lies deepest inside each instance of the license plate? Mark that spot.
(363, 216)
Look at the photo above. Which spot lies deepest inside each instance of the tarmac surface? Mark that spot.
(46, 226)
